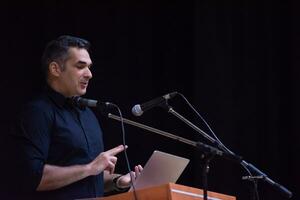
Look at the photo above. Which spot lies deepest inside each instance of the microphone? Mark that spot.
(79, 101)
(139, 109)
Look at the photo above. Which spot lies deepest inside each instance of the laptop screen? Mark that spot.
(161, 168)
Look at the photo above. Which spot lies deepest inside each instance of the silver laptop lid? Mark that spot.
(161, 168)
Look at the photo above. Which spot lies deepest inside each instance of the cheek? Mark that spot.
(75, 77)
(71, 81)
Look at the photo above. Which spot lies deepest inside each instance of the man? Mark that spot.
(60, 147)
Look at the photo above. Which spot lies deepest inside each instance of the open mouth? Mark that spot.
(84, 84)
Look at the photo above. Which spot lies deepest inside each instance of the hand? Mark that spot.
(125, 180)
(105, 161)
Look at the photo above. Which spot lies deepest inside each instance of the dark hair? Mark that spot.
(57, 50)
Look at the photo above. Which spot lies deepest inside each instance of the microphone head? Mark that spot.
(90, 102)
(170, 95)
(84, 102)
(137, 110)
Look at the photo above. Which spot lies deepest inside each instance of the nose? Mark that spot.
(88, 74)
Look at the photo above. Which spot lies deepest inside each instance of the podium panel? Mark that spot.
(180, 192)
(168, 191)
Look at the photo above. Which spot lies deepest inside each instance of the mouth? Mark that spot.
(84, 84)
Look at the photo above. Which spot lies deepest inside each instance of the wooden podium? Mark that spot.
(168, 191)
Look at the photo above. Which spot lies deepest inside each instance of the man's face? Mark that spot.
(75, 76)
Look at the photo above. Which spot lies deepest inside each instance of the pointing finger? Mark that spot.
(116, 150)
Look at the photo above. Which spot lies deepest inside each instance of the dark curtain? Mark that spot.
(237, 63)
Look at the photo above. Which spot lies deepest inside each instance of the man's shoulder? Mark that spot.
(39, 103)
(34, 110)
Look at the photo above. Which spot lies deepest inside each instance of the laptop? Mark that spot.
(161, 168)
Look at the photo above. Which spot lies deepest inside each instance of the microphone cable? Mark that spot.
(125, 149)
(224, 148)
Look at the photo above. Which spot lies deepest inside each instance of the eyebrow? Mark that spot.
(84, 63)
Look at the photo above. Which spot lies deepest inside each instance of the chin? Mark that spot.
(82, 92)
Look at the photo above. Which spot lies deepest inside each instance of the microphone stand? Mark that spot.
(235, 157)
(154, 130)
(199, 145)
(208, 157)
(204, 147)
(207, 149)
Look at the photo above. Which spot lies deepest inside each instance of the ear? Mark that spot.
(54, 69)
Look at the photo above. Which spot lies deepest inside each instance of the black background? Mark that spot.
(237, 62)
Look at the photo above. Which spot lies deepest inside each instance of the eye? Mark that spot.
(80, 66)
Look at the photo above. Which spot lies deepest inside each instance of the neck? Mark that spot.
(57, 88)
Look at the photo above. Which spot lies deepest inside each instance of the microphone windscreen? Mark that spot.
(137, 110)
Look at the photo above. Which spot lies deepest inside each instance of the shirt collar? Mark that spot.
(56, 97)
(60, 100)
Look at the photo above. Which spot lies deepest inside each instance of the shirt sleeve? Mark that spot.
(32, 139)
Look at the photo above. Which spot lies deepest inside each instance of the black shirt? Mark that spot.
(53, 131)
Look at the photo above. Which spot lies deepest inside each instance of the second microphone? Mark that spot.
(139, 109)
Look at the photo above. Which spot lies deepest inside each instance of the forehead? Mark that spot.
(79, 55)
